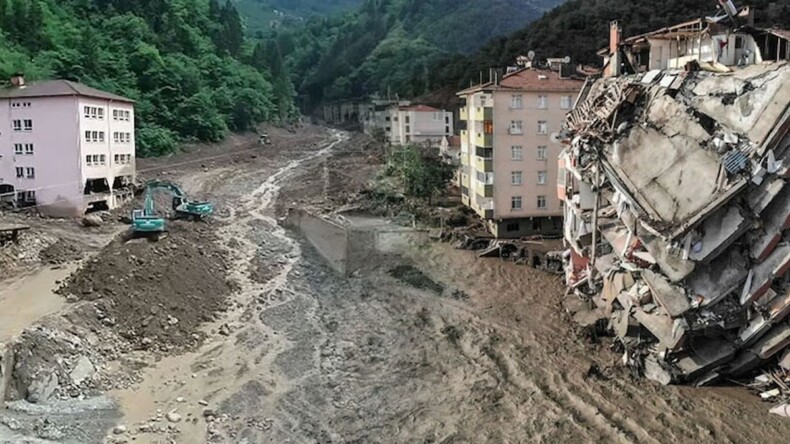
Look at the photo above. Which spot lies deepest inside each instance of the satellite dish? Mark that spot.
(531, 55)
(567, 59)
(555, 138)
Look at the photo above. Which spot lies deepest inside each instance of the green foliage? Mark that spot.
(390, 46)
(185, 62)
(579, 28)
(423, 175)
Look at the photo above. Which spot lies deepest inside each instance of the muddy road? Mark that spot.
(436, 346)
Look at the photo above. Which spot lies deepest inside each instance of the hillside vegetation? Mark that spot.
(579, 28)
(391, 46)
(185, 62)
(261, 15)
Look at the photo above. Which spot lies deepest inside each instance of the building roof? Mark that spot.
(454, 141)
(420, 108)
(530, 80)
(783, 33)
(57, 88)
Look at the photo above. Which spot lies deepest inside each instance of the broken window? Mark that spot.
(96, 186)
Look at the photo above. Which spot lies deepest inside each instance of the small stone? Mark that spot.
(119, 430)
(173, 417)
(180, 399)
(203, 402)
(209, 412)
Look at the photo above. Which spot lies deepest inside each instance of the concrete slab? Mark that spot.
(720, 230)
(663, 328)
(672, 298)
(765, 273)
(712, 282)
(773, 342)
(703, 356)
(775, 218)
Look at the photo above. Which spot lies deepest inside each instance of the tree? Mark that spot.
(424, 175)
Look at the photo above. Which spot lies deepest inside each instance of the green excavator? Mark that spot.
(148, 221)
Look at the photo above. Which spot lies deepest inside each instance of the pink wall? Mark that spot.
(56, 150)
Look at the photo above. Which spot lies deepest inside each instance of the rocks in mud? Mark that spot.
(92, 220)
(173, 416)
(42, 389)
(224, 330)
(82, 371)
(119, 430)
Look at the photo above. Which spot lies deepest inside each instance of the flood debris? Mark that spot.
(677, 212)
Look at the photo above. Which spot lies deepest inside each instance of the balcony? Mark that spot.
(484, 206)
(464, 113)
(482, 113)
(484, 190)
(464, 136)
(484, 140)
(485, 165)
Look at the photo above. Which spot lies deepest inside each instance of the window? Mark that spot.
(17, 125)
(116, 159)
(516, 178)
(515, 203)
(535, 224)
(20, 172)
(516, 153)
(88, 136)
(516, 127)
(88, 160)
(101, 113)
(17, 148)
(543, 127)
(516, 102)
(408, 129)
(388, 119)
(28, 148)
(542, 152)
(30, 196)
(447, 130)
(116, 137)
(387, 129)
(30, 172)
(510, 228)
(95, 136)
(446, 120)
(437, 116)
(542, 202)
(566, 102)
(488, 127)
(543, 102)
(101, 136)
(94, 112)
(541, 178)
(95, 159)
(115, 113)
(87, 112)
(28, 125)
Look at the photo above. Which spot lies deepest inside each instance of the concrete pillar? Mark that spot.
(6, 368)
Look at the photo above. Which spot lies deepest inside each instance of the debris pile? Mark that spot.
(676, 218)
(155, 295)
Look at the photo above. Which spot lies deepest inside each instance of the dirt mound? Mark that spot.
(156, 294)
(416, 278)
(61, 252)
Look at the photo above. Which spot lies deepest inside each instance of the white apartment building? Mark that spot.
(405, 123)
(65, 147)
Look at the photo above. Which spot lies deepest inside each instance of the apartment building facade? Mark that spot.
(404, 123)
(509, 150)
(65, 147)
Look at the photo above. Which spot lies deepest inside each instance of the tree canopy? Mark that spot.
(186, 63)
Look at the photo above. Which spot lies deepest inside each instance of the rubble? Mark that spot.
(677, 219)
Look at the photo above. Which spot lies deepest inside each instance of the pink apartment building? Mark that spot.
(65, 147)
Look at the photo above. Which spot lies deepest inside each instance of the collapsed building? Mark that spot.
(677, 210)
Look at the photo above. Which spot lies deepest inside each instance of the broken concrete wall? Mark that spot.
(690, 171)
(328, 238)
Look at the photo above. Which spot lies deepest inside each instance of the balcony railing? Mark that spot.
(484, 140)
(484, 190)
(484, 165)
(482, 113)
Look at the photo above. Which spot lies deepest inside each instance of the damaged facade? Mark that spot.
(676, 214)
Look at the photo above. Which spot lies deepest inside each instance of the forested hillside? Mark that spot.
(186, 62)
(579, 28)
(393, 45)
(261, 15)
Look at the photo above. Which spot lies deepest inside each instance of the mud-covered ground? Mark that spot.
(435, 346)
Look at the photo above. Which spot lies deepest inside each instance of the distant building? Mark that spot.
(346, 112)
(710, 40)
(65, 147)
(405, 123)
(509, 149)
